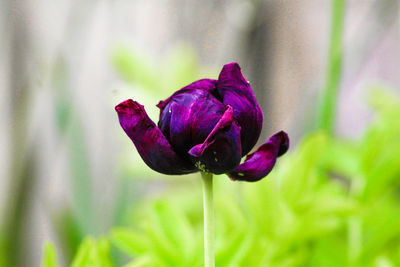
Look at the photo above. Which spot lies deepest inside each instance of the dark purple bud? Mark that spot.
(235, 91)
(207, 125)
(221, 151)
(261, 162)
(150, 142)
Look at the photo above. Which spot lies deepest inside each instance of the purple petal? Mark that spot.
(221, 151)
(189, 117)
(261, 162)
(203, 84)
(235, 91)
(150, 142)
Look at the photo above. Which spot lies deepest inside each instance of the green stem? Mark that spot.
(208, 206)
(326, 116)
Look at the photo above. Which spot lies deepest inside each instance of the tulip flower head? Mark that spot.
(208, 125)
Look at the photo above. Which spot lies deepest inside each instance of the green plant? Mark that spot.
(91, 253)
(331, 202)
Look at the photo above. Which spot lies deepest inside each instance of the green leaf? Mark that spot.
(233, 249)
(49, 258)
(130, 242)
(92, 253)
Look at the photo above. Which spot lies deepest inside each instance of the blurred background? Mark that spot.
(67, 170)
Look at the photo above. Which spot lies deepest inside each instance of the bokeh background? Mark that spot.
(67, 170)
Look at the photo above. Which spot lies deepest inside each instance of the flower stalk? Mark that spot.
(208, 207)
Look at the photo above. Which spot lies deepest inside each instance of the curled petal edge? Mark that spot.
(258, 164)
(221, 151)
(150, 142)
(236, 91)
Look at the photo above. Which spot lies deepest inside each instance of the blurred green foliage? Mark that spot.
(91, 253)
(179, 67)
(330, 202)
(49, 256)
(76, 221)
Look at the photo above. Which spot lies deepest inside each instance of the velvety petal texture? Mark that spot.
(236, 91)
(221, 151)
(261, 162)
(203, 84)
(150, 142)
(208, 125)
(189, 117)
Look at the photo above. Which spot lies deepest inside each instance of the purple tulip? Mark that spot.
(208, 126)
